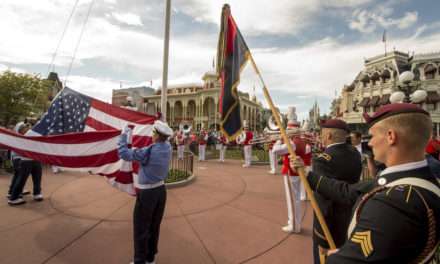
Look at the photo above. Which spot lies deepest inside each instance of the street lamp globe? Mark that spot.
(418, 96)
(406, 77)
(397, 97)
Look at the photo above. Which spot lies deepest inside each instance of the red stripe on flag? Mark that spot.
(96, 160)
(70, 138)
(231, 34)
(123, 113)
(141, 141)
(123, 177)
(97, 125)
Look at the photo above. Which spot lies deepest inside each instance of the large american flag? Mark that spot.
(81, 133)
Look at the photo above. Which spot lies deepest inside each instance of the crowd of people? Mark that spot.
(391, 218)
(400, 155)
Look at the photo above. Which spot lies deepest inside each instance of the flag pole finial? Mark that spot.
(226, 9)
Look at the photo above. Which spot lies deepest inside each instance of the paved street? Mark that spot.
(228, 215)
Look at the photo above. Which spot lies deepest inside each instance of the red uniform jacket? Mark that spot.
(203, 137)
(249, 137)
(430, 148)
(271, 144)
(180, 140)
(308, 155)
(300, 150)
(222, 140)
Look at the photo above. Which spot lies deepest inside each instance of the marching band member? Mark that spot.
(203, 139)
(272, 158)
(222, 142)
(291, 177)
(307, 163)
(245, 140)
(180, 142)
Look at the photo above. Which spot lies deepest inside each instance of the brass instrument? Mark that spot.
(271, 124)
(241, 138)
(186, 129)
(274, 137)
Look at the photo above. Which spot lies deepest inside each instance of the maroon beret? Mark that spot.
(393, 109)
(335, 123)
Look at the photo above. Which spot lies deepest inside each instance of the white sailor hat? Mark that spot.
(162, 128)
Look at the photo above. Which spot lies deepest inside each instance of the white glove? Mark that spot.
(126, 129)
(296, 163)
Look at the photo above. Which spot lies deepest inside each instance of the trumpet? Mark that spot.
(241, 138)
(274, 137)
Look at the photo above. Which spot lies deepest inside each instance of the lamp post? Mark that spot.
(408, 92)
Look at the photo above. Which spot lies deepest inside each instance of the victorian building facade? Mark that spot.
(132, 97)
(373, 86)
(196, 105)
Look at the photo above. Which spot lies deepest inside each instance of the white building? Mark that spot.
(374, 84)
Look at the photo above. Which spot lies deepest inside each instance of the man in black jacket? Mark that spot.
(396, 217)
(339, 161)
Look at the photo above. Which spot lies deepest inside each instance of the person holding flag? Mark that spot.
(395, 216)
(232, 55)
(23, 167)
(151, 192)
(339, 161)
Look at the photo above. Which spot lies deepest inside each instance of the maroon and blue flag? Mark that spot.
(232, 55)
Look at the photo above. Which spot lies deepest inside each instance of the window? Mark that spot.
(366, 109)
(429, 75)
(430, 72)
(431, 107)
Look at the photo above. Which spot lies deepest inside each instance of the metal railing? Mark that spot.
(260, 154)
(180, 169)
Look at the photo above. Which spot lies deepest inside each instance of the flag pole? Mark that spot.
(301, 172)
(166, 45)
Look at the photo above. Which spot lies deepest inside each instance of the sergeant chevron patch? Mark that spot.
(364, 240)
(325, 156)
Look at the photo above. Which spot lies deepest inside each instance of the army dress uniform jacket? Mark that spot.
(393, 224)
(339, 161)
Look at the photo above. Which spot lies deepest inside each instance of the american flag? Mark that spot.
(81, 133)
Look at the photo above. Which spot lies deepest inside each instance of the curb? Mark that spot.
(181, 183)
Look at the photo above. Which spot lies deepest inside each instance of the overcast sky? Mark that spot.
(306, 50)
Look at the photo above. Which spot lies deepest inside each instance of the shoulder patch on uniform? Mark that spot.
(363, 239)
(325, 156)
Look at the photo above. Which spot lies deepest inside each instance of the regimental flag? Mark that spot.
(81, 133)
(232, 55)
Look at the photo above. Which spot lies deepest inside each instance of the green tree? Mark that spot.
(22, 95)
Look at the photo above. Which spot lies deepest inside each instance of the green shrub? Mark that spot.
(175, 175)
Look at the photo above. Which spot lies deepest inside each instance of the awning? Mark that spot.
(385, 99)
(374, 101)
(364, 102)
(433, 97)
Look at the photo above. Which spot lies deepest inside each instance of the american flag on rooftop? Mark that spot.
(81, 133)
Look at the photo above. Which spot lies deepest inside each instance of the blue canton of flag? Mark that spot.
(66, 114)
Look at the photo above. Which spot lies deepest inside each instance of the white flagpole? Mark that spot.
(166, 45)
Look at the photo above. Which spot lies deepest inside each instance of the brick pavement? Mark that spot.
(228, 215)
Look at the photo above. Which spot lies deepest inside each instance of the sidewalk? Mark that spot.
(229, 214)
